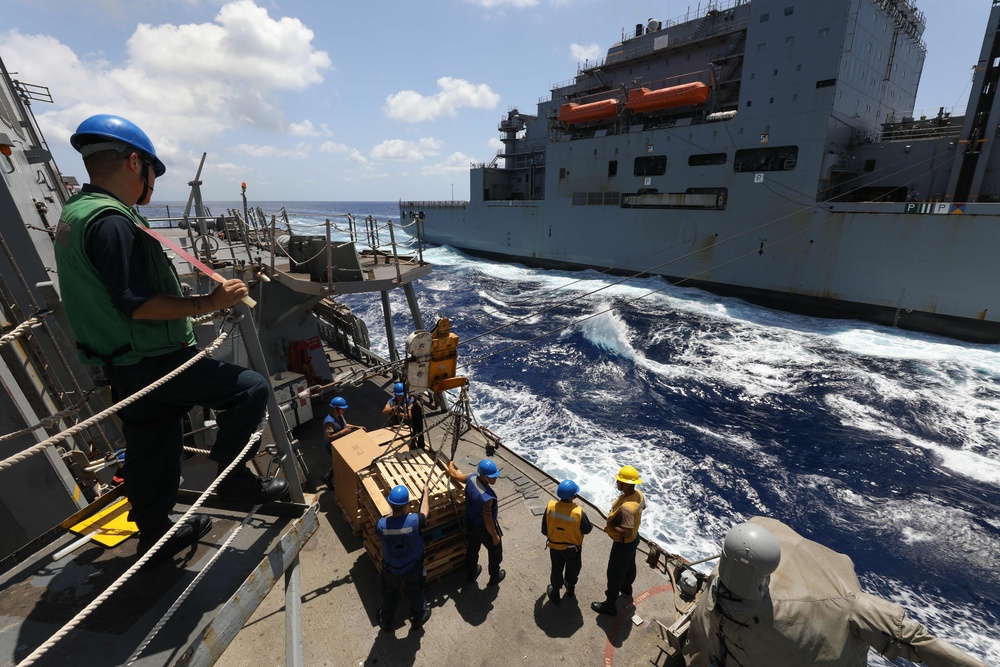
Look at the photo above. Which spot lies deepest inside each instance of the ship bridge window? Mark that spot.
(764, 18)
(650, 165)
(777, 158)
(824, 32)
(595, 198)
(579, 199)
(705, 159)
(789, 11)
(826, 83)
(612, 167)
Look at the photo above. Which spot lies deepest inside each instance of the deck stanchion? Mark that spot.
(293, 615)
(255, 353)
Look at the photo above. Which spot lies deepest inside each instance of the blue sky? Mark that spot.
(331, 100)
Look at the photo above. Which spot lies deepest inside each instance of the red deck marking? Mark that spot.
(609, 647)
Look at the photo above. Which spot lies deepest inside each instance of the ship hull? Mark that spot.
(795, 174)
(873, 262)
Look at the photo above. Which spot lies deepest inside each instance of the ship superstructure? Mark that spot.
(763, 149)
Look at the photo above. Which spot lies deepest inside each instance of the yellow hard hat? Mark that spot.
(629, 475)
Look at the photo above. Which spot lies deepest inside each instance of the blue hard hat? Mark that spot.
(567, 489)
(487, 468)
(398, 389)
(117, 129)
(399, 496)
(339, 402)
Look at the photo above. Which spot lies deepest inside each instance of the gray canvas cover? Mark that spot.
(815, 613)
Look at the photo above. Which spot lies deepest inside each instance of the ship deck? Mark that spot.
(513, 623)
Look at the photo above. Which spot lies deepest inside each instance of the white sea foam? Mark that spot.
(567, 445)
(868, 418)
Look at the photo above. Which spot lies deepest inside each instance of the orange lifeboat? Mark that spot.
(581, 113)
(641, 100)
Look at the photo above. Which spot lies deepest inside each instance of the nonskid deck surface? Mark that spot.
(41, 595)
(471, 624)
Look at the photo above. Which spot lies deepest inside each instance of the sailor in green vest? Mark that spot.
(565, 523)
(623, 528)
(128, 314)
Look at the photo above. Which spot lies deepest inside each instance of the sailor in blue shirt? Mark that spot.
(481, 514)
(403, 558)
(399, 407)
(335, 426)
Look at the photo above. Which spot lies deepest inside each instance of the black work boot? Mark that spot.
(187, 535)
(419, 619)
(553, 594)
(605, 607)
(241, 484)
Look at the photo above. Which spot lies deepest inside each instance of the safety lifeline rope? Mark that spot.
(108, 592)
(76, 428)
(52, 419)
(190, 588)
(19, 329)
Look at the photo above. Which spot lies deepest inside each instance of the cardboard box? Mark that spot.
(352, 454)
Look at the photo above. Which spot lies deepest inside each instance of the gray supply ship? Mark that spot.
(70, 587)
(764, 149)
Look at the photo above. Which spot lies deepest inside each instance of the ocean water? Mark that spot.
(881, 444)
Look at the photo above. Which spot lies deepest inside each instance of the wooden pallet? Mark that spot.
(444, 539)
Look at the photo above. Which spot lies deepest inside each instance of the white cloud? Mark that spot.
(182, 84)
(352, 154)
(307, 129)
(581, 52)
(456, 163)
(412, 107)
(244, 45)
(407, 151)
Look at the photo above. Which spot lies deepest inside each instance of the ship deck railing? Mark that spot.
(362, 262)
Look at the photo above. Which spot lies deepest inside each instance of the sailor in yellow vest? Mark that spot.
(623, 528)
(565, 524)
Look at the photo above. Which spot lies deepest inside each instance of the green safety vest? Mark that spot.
(104, 334)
